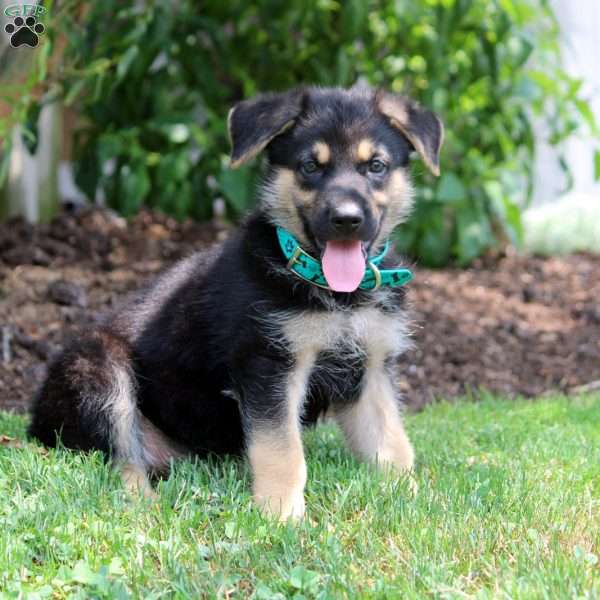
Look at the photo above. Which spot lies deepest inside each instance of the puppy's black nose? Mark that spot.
(347, 218)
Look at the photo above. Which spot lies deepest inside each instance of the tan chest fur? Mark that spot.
(367, 330)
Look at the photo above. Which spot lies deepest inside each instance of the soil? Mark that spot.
(514, 325)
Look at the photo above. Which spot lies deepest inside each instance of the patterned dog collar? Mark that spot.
(308, 268)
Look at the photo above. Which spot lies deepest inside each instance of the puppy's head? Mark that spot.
(338, 159)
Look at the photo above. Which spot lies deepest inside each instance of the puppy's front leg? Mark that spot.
(272, 408)
(278, 470)
(373, 425)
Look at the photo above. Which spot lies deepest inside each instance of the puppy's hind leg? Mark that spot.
(88, 401)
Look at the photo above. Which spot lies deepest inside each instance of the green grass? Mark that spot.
(508, 507)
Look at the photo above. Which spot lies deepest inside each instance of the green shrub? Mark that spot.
(154, 86)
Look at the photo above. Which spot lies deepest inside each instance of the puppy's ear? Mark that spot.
(254, 123)
(422, 127)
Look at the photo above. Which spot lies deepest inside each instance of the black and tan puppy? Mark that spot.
(298, 312)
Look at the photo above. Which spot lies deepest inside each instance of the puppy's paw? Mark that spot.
(136, 482)
(297, 509)
(283, 509)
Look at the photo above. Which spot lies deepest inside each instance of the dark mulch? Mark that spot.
(516, 325)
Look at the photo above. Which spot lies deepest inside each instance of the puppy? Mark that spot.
(301, 311)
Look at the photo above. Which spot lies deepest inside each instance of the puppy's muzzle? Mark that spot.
(347, 218)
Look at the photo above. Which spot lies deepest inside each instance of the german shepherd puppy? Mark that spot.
(301, 311)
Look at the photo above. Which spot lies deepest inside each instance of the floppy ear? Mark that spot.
(422, 127)
(254, 123)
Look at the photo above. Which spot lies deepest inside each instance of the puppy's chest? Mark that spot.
(344, 339)
(335, 350)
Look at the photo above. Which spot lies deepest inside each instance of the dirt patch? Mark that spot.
(516, 325)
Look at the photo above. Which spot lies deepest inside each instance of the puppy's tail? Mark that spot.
(88, 400)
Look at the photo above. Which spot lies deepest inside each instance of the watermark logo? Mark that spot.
(25, 28)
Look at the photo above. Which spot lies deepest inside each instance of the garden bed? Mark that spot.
(514, 325)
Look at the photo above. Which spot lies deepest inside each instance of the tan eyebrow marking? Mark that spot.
(322, 152)
(365, 150)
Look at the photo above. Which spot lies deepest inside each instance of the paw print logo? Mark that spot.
(24, 32)
(289, 246)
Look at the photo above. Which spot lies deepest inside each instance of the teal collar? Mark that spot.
(308, 268)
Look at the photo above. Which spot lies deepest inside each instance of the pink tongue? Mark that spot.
(343, 265)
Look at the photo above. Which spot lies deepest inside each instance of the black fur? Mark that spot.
(213, 335)
(253, 123)
(208, 362)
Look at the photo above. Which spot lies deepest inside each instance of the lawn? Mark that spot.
(508, 507)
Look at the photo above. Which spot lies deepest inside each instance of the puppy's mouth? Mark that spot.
(344, 263)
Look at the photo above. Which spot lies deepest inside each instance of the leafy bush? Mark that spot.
(154, 84)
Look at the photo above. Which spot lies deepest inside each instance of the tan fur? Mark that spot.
(373, 426)
(393, 189)
(397, 196)
(394, 106)
(136, 481)
(381, 198)
(282, 196)
(276, 455)
(418, 146)
(322, 153)
(279, 473)
(365, 150)
(156, 452)
(315, 331)
(158, 449)
(305, 198)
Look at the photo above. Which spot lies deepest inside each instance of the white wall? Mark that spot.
(580, 25)
(32, 186)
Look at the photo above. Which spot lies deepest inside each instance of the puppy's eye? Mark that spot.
(377, 166)
(308, 167)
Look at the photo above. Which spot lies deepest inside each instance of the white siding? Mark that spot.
(580, 25)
